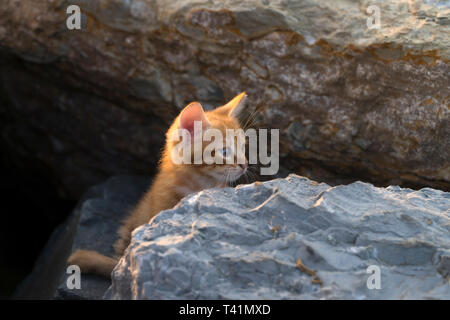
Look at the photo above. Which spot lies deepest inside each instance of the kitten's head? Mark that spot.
(234, 163)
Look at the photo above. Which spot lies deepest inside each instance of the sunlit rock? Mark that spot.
(292, 239)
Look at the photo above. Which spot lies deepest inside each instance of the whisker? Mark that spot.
(252, 122)
(228, 177)
(250, 118)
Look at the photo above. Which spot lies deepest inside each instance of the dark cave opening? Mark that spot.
(31, 209)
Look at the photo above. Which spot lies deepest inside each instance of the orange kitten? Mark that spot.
(174, 181)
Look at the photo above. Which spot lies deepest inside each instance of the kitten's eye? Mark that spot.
(225, 152)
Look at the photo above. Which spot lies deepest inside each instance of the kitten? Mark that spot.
(174, 181)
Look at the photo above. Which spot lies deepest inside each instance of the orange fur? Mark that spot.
(92, 262)
(172, 182)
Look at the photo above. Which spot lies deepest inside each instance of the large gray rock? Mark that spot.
(351, 102)
(244, 243)
(94, 226)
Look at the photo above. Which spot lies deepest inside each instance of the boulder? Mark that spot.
(292, 238)
(93, 226)
(351, 102)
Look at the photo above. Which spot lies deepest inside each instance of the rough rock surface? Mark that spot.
(95, 224)
(244, 243)
(350, 101)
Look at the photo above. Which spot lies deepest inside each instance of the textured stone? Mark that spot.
(96, 221)
(245, 243)
(351, 102)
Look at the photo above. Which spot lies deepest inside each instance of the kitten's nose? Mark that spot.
(244, 165)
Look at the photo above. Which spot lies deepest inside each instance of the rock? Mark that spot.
(292, 239)
(97, 219)
(351, 102)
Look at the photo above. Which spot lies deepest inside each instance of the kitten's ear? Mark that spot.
(235, 106)
(191, 113)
